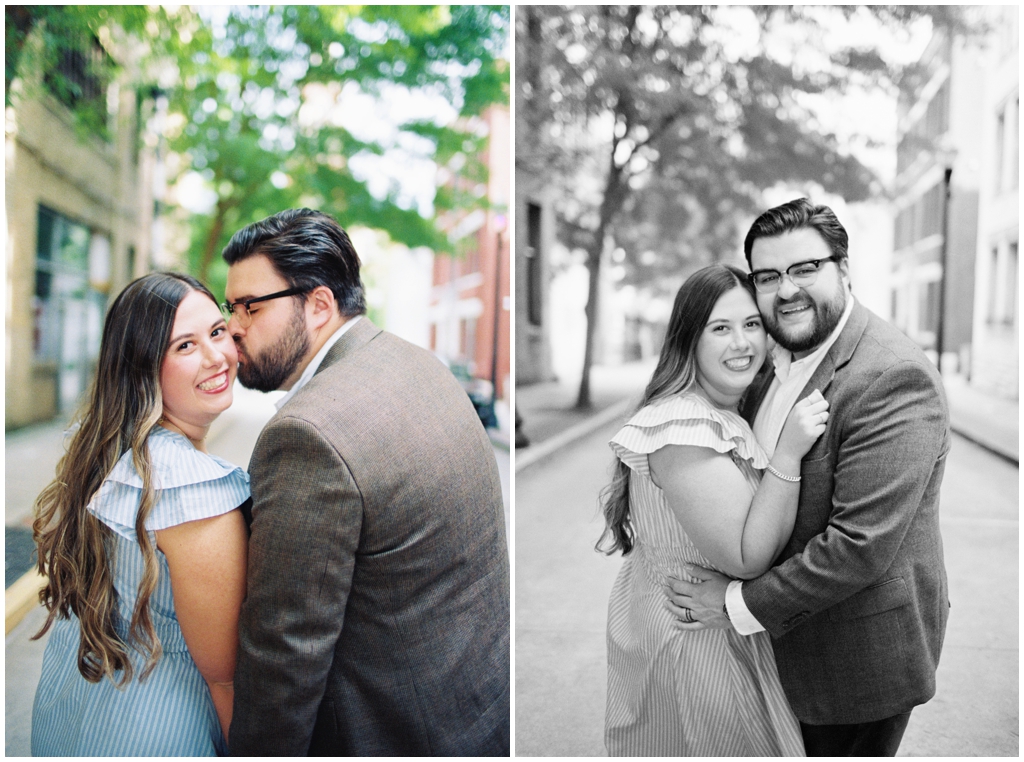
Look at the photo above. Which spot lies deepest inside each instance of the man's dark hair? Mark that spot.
(309, 249)
(796, 214)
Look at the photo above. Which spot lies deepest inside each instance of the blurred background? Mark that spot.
(648, 139)
(141, 138)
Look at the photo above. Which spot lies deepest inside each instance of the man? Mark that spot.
(857, 602)
(377, 615)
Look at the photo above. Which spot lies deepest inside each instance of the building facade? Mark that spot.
(937, 187)
(995, 360)
(470, 303)
(78, 214)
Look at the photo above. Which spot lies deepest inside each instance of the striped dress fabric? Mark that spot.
(670, 692)
(170, 713)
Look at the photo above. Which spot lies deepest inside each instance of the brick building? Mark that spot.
(470, 305)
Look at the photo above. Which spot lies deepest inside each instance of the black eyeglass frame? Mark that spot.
(752, 277)
(228, 308)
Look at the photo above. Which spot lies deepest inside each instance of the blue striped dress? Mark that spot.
(670, 692)
(170, 713)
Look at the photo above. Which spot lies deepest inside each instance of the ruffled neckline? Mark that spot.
(734, 432)
(175, 463)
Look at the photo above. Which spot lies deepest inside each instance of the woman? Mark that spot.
(141, 543)
(688, 489)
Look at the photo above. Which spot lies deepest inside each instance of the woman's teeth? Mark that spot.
(213, 383)
(739, 363)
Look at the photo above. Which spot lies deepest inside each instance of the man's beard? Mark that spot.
(266, 371)
(827, 315)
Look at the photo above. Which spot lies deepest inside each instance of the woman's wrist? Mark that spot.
(785, 465)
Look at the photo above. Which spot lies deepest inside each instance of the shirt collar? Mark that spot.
(314, 364)
(783, 360)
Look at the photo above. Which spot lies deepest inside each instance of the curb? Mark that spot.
(581, 429)
(988, 446)
(21, 597)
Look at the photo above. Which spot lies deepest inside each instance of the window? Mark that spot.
(534, 265)
(1000, 140)
(472, 263)
(467, 339)
(68, 312)
(1010, 287)
(993, 286)
(928, 304)
(1002, 285)
(77, 81)
(1014, 150)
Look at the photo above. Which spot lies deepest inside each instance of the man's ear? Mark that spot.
(321, 306)
(844, 270)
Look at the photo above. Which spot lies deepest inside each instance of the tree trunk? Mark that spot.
(583, 400)
(210, 247)
(611, 203)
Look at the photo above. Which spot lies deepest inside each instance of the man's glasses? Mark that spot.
(243, 315)
(801, 274)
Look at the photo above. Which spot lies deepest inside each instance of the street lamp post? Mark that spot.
(499, 223)
(940, 331)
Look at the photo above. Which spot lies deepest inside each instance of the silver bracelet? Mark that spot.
(782, 475)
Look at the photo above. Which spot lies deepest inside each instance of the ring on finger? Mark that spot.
(687, 615)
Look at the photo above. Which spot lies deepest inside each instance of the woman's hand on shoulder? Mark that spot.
(806, 422)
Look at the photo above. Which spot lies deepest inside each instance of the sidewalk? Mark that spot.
(987, 421)
(550, 419)
(549, 416)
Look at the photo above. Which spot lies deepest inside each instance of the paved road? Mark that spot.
(562, 589)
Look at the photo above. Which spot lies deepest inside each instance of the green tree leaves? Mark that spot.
(239, 83)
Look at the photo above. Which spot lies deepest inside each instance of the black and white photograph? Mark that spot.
(766, 357)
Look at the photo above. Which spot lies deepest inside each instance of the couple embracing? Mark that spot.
(783, 591)
(351, 599)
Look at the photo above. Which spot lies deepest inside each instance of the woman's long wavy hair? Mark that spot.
(74, 548)
(676, 372)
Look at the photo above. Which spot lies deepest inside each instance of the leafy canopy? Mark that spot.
(249, 97)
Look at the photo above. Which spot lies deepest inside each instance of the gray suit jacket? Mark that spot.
(857, 603)
(377, 615)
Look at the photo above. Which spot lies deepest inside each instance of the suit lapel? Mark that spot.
(837, 356)
(839, 353)
(356, 337)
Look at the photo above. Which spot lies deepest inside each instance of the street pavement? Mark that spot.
(30, 457)
(562, 588)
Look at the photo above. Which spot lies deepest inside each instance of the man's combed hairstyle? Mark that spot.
(794, 215)
(309, 249)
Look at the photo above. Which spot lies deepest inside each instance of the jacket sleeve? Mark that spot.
(307, 518)
(894, 436)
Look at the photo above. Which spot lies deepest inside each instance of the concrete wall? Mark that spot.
(91, 182)
(995, 360)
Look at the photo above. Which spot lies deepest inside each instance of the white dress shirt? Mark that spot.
(791, 376)
(315, 362)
